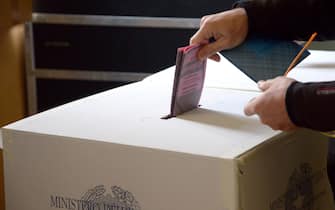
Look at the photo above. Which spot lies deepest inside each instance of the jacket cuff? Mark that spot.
(251, 13)
(311, 105)
(292, 107)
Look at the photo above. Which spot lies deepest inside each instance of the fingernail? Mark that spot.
(260, 83)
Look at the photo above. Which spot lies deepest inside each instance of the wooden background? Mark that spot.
(13, 13)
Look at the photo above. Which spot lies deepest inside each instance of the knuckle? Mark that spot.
(204, 19)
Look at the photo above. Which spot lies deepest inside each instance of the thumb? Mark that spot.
(249, 109)
(264, 85)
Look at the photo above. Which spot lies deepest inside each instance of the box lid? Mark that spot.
(130, 115)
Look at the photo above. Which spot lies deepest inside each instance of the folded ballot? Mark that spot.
(188, 81)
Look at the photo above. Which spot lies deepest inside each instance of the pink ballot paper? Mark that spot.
(188, 80)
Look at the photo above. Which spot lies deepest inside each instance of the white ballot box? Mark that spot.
(112, 151)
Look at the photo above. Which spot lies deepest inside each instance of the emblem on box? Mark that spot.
(299, 191)
(97, 199)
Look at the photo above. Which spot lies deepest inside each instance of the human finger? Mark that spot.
(264, 84)
(215, 57)
(203, 20)
(250, 107)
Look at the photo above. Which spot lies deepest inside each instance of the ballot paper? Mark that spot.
(263, 59)
(188, 81)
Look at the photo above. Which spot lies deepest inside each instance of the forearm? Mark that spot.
(312, 105)
(289, 19)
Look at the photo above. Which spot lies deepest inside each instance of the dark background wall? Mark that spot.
(167, 8)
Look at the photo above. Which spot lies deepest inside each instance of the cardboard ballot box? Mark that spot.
(112, 151)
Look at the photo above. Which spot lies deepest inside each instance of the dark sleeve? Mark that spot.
(312, 105)
(290, 19)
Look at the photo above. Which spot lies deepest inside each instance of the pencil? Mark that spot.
(298, 56)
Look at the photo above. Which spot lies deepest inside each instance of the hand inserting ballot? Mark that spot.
(229, 29)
